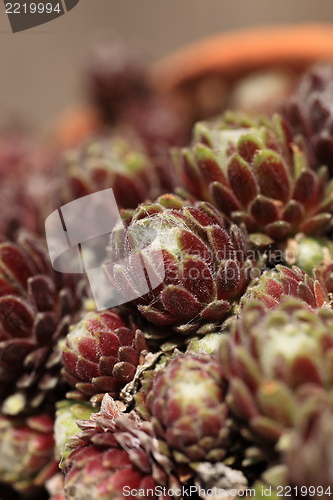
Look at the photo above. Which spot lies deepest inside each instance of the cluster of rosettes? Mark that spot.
(217, 368)
(37, 305)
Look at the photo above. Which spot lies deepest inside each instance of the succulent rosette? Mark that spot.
(162, 123)
(270, 358)
(309, 455)
(26, 445)
(275, 285)
(24, 165)
(36, 307)
(197, 268)
(185, 401)
(116, 454)
(254, 175)
(311, 254)
(309, 112)
(116, 76)
(308, 252)
(100, 354)
(118, 162)
(18, 210)
(68, 412)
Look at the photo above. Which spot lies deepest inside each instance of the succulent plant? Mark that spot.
(208, 344)
(308, 252)
(313, 255)
(249, 170)
(26, 445)
(68, 412)
(100, 354)
(114, 452)
(18, 210)
(21, 152)
(116, 76)
(200, 267)
(310, 113)
(261, 92)
(271, 356)
(309, 457)
(275, 285)
(36, 307)
(117, 162)
(55, 486)
(186, 405)
(24, 165)
(161, 123)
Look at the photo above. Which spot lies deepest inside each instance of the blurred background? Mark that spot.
(41, 69)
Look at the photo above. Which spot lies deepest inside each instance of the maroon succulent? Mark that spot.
(100, 354)
(272, 359)
(116, 75)
(187, 408)
(273, 286)
(23, 169)
(310, 113)
(200, 266)
(254, 175)
(115, 455)
(26, 458)
(308, 457)
(118, 161)
(37, 305)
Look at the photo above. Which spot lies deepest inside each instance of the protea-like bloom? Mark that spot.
(100, 354)
(187, 408)
(26, 445)
(114, 454)
(310, 113)
(253, 174)
(100, 163)
(200, 267)
(309, 455)
(270, 358)
(36, 307)
(273, 286)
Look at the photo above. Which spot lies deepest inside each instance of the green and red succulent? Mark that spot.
(115, 454)
(309, 113)
(200, 267)
(27, 446)
(186, 405)
(37, 306)
(253, 173)
(271, 358)
(100, 354)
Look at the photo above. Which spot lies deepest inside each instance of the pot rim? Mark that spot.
(234, 54)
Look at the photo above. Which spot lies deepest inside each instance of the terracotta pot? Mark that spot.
(237, 53)
(74, 124)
